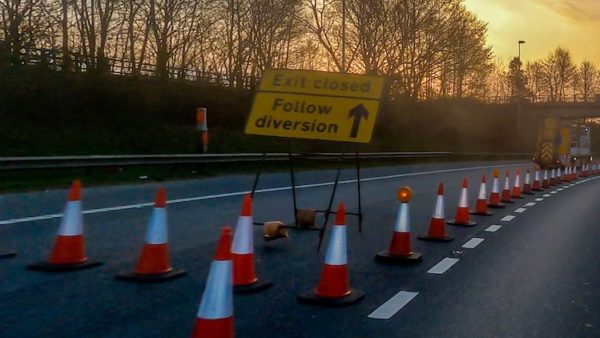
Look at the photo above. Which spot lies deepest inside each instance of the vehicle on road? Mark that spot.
(561, 144)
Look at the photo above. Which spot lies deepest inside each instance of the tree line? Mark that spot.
(554, 79)
(428, 48)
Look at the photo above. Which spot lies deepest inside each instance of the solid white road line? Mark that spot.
(530, 204)
(241, 193)
(473, 243)
(508, 218)
(521, 210)
(443, 266)
(389, 308)
(493, 228)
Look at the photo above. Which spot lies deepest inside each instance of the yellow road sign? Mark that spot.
(316, 105)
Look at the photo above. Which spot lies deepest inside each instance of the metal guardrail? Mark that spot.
(90, 161)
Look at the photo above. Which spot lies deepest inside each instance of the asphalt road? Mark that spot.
(536, 276)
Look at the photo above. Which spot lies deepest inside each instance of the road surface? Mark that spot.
(536, 275)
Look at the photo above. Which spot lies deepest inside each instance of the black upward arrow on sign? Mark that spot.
(358, 113)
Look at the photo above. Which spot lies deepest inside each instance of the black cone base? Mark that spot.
(487, 213)
(49, 267)
(311, 298)
(519, 197)
(426, 237)
(7, 254)
(257, 286)
(507, 201)
(386, 257)
(497, 206)
(157, 278)
(529, 193)
(462, 224)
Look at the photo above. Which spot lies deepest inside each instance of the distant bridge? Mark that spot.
(565, 110)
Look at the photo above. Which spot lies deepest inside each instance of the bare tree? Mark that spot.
(588, 75)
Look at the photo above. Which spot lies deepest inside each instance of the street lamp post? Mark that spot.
(519, 98)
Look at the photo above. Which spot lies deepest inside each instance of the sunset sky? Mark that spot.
(543, 24)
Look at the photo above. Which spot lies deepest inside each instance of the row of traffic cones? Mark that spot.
(153, 265)
(215, 313)
(215, 316)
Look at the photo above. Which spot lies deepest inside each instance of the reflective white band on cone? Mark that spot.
(157, 227)
(438, 212)
(527, 178)
(482, 192)
(243, 238)
(72, 221)
(537, 175)
(496, 186)
(402, 219)
(463, 201)
(336, 249)
(217, 299)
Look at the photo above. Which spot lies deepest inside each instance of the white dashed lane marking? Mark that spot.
(508, 218)
(472, 243)
(530, 204)
(539, 199)
(521, 210)
(443, 266)
(493, 228)
(546, 195)
(392, 306)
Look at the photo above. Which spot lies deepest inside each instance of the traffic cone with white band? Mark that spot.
(545, 181)
(462, 217)
(334, 285)
(552, 180)
(559, 176)
(244, 273)
(516, 191)
(527, 185)
(437, 226)
(537, 185)
(506, 191)
(494, 201)
(214, 318)
(400, 250)
(68, 253)
(154, 264)
(481, 207)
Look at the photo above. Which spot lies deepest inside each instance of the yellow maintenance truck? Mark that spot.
(560, 143)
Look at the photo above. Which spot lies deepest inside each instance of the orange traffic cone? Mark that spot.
(537, 185)
(153, 264)
(481, 207)
(494, 201)
(68, 253)
(244, 274)
(215, 314)
(506, 191)
(334, 286)
(545, 181)
(516, 191)
(569, 176)
(552, 180)
(400, 250)
(462, 217)
(437, 226)
(527, 185)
